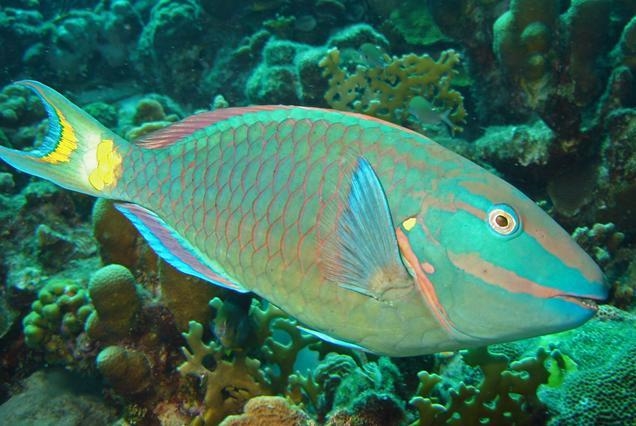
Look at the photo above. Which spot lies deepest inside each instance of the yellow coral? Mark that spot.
(385, 91)
(229, 384)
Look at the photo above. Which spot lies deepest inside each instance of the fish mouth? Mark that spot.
(584, 302)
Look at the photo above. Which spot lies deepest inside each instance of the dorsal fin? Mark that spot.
(177, 131)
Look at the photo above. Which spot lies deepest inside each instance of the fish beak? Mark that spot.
(584, 302)
(597, 291)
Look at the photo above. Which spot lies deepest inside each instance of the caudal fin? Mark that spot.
(78, 153)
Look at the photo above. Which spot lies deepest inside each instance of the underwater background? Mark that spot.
(95, 329)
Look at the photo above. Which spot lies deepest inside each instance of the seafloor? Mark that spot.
(541, 92)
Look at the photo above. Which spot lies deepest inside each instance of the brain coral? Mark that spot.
(601, 389)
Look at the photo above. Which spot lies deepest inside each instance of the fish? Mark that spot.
(371, 235)
(374, 56)
(423, 111)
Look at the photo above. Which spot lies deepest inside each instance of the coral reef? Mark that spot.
(229, 383)
(599, 390)
(543, 94)
(269, 410)
(507, 391)
(386, 91)
(114, 295)
(340, 391)
(126, 370)
(55, 324)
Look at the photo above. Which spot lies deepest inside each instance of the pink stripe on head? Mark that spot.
(473, 264)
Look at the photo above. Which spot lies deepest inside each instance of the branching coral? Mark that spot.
(386, 91)
(229, 368)
(343, 392)
(506, 394)
(229, 383)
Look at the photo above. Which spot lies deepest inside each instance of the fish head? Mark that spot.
(494, 267)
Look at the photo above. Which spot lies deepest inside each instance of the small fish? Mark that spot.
(374, 56)
(426, 114)
(371, 235)
(233, 325)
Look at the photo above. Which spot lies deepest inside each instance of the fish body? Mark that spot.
(369, 234)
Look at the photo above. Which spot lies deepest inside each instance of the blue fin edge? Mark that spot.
(329, 339)
(172, 248)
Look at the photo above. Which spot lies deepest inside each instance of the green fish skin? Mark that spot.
(371, 235)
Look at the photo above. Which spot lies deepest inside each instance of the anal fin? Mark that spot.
(329, 339)
(173, 248)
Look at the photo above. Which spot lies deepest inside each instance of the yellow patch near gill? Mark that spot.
(108, 166)
(67, 143)
(409, 223)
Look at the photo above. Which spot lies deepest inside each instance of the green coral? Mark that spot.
(600, 390)
(625, 51)
(413, 20)
(113, 293)
(57, 317)
(386, 91)
(255, 354)
(506, 394)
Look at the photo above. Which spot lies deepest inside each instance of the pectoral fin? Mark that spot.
(363, 255)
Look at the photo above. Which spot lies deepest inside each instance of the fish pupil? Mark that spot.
(502, 221)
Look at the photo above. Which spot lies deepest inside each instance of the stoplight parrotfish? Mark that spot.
(371, 235)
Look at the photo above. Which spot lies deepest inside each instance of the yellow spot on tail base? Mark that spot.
(409, 223)
(67, 143)
(108, 166)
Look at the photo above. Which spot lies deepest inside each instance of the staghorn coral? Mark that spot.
(229, 383)
(255, 355)
(507, 392)
(386, 91)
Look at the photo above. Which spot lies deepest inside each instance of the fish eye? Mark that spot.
(503, 219)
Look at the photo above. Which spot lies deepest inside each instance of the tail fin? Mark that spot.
(78, 153)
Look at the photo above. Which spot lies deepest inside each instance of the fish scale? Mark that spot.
(232, 228)
(370, 234)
